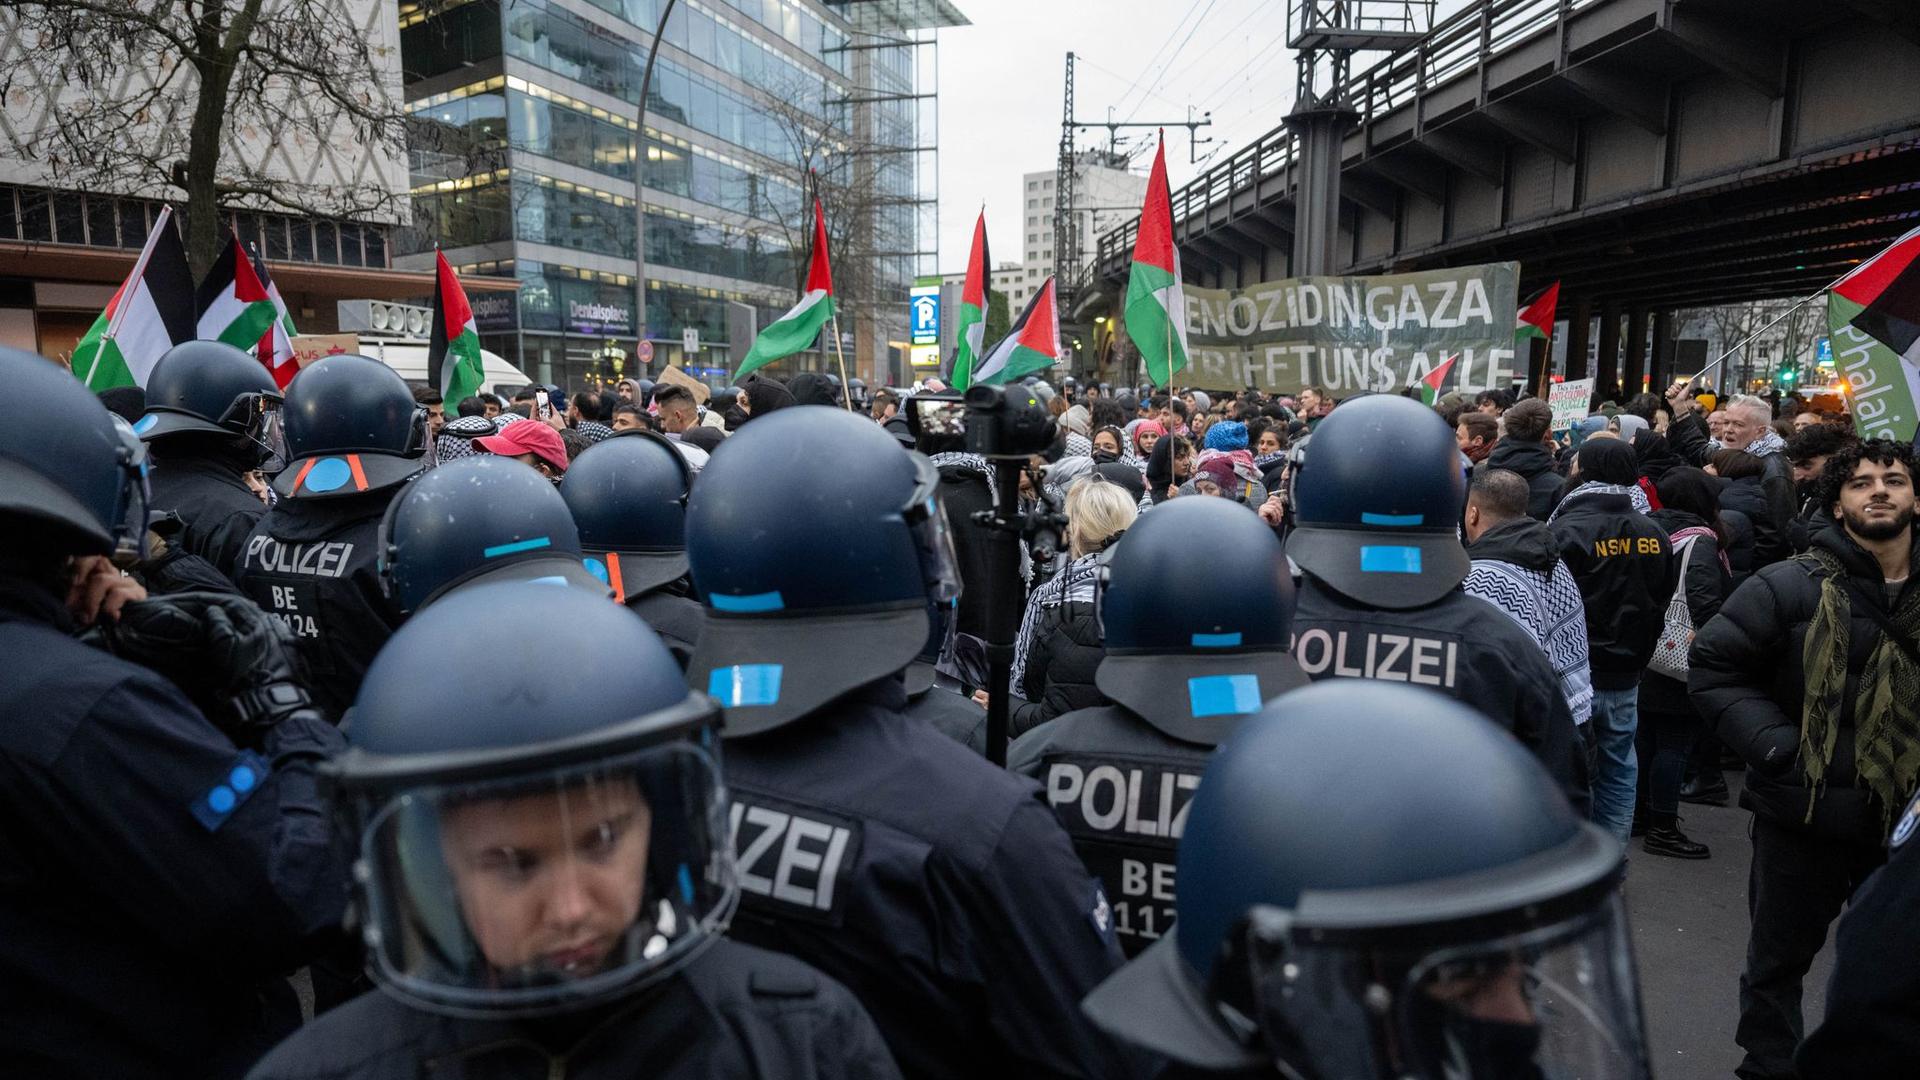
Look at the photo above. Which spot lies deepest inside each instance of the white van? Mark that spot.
(409, 358)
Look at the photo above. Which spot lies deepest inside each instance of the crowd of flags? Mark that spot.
(159, 305)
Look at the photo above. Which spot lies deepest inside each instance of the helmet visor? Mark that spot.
(130, 519)
(932, 535)
(543, 892)
(1554, 1001)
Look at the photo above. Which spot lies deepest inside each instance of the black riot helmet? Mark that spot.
(628, 495)
(73, 476)
(816, 544)
(537, 806)
(352, 426)
(481, 517)
(209, 387)
(1446, 913)
(1196, 640)
(1377, 507)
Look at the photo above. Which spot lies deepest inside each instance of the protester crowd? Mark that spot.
(333, 747)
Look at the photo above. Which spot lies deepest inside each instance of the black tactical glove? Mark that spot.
(233, 659)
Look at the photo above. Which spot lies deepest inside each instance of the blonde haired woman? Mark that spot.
(1059, 644)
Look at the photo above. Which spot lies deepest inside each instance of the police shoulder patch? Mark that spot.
(1909, 821)
(230, 790)
(1100, 913)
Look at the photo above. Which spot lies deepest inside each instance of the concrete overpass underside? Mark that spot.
(1652, 155)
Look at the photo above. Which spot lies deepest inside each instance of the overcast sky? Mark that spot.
(1001, 81)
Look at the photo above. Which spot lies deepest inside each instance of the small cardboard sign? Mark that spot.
(310, 347)
(676, 377)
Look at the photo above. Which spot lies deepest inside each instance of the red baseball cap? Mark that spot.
(527, 437)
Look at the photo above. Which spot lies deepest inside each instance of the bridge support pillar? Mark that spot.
(1633, 373)
(1320, 125)
(1579, 329)
(1607, 363)
(1662, 352)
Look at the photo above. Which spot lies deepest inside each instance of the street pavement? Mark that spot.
(1689, 922)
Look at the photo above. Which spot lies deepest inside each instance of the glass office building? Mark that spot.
(525, 145)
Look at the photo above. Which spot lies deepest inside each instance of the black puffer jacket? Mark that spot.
(1532, 461)
(1772, 513)
(1707, 585)
(1622, 563)
(1065, 653)
(1748, 682)
(1739, 544)
(1748, 498)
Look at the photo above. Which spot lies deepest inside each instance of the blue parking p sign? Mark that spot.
(923, 315)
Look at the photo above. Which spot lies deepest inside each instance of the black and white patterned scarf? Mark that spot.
(1072, 585)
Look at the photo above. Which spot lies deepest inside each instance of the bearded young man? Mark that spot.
(1812, 674)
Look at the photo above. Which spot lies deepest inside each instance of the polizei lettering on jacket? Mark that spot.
(791, 857)
(1377, 654)
(1125, 817)
(326, 559)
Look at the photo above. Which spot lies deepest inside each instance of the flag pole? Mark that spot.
(846, 388)
(1743, 341)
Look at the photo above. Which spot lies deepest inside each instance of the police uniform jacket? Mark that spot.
(1120, 786)
(213, 498)
(1746, 677)
(1872, 1025)
(1459, 645)
(672, 615)
(313, 564)
(951, 713)
(153, 876)
(937, 887)
(734, 1012)
(1623, 564)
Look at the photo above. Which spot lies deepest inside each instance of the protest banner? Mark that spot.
(673, 376)
(1348, 334)
(1570, 401)
(310, 347)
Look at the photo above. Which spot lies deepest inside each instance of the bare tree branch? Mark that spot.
(171, 98)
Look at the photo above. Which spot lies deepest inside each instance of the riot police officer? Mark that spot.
(628, 495)
(210, 410)
(1193, 646)
(543, 875)
(354, 434)
(477, 519)
(157, 872)
(1376, 882)
(936, 886)
(939, 699)
(1872, 1023)
(1376, 534)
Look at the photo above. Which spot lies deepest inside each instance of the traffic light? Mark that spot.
(1789, 375)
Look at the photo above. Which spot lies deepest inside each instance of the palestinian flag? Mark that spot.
(973, 308)
(152, 311)
(1033, 344)
(1886, 291)
(1536, 319)
(232, 303)
(799, 328)
(454, 351)
(1437, 378)
(1156, 306)
(276, 345)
